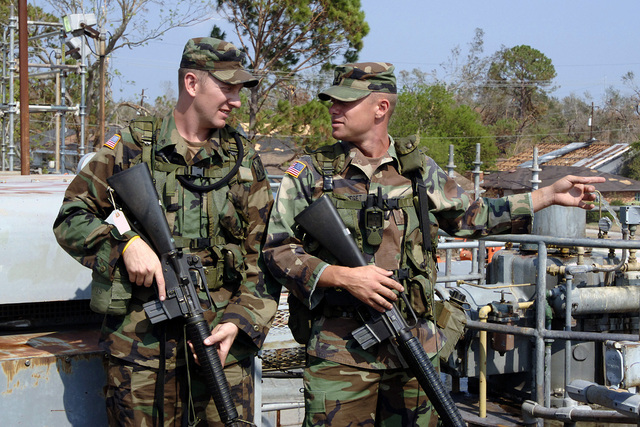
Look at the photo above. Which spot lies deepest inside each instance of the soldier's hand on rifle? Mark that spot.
(143, 266)
(223, 335)
(370, 284)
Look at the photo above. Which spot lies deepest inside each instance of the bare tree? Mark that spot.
(131, 24)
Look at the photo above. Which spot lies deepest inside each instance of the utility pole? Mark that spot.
(591, 124)
(101, 50)
(23, 64)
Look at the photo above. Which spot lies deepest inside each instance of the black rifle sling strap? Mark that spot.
(218, 184)
(423, 211)
(158, 403)
(411, 162)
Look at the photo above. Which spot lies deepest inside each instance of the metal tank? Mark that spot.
(51, 370)
(585, 334)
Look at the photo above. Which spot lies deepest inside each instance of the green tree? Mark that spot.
(525, 74)
(283, 37)
(432, 112)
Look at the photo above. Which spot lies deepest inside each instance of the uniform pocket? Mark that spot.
(110, 297)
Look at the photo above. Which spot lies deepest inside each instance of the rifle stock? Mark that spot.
(322, 221)
(135, 189)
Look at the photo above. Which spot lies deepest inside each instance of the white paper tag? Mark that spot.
(118, 219)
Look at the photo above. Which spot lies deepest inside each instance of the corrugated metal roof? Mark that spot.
(573, 154)
(520, 179)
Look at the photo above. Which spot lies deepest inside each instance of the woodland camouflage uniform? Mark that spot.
(352, 181)
(223, 227)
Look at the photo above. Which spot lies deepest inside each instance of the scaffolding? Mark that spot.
(58, 71)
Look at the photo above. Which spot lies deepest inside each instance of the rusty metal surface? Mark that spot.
(52, 379)
(46, 344)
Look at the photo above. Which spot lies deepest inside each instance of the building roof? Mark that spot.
(519, 180)
(588, 154)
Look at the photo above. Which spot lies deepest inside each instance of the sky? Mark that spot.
(592, 44)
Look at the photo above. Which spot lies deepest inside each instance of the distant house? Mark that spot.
(504, 183)
(597, 155)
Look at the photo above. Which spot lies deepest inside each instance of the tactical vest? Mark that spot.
(228, 257)
(417, 270)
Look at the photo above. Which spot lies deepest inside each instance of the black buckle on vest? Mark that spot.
(196, 171)
(327, 183)
(199, 243)
(391, 204)
(401, 274)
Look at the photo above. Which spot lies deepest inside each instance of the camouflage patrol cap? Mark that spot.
(220, 58)
(355, 81)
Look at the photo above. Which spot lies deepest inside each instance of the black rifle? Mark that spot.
(182, 273)
(322, 221)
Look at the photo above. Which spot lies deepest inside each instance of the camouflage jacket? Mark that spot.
(229, 224)
(297, 264)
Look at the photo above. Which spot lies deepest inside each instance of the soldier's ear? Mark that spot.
(383, 106)
(191, 81)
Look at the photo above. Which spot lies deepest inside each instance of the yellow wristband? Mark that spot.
(129, 242)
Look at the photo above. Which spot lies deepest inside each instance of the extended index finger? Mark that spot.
(162, 294)
(588, 179)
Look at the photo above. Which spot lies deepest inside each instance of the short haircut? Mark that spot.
(391, 97)
(201, 74)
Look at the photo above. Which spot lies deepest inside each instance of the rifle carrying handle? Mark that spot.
(197, 331)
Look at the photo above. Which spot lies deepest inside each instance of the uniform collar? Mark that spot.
(355, 157)
(170, 137)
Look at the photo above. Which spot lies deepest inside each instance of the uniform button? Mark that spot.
(256, 328)
(103, 268)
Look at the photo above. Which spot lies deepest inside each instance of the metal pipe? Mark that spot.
(622, 401)
(535, 170)
(45, 108)
(63, 117)
(270, 407)
(460, 244)
(83, 105)
(576, 413)
(609, 299)
(567, 242)
(3, 88)
(541, 287)
(553, 334)
(456, 277)
(43, 35)
(46, 24)
(13, 24)
(23, 56)
(567, 344)
(547, 373)
(451, 166)
(477, 172)
(483, 315)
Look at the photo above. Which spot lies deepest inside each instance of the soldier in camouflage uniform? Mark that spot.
(368, 173)
(188, 152)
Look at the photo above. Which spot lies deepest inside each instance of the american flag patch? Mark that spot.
(295, 169)
(113, 141)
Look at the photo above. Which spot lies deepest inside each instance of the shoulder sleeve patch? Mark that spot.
(296, 169)
(113, 141)
(259, 168)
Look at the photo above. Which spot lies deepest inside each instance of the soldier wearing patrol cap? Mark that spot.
(371, 179)
(151, 378)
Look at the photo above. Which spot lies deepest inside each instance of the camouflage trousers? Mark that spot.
(341, 395)
(131, 395)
